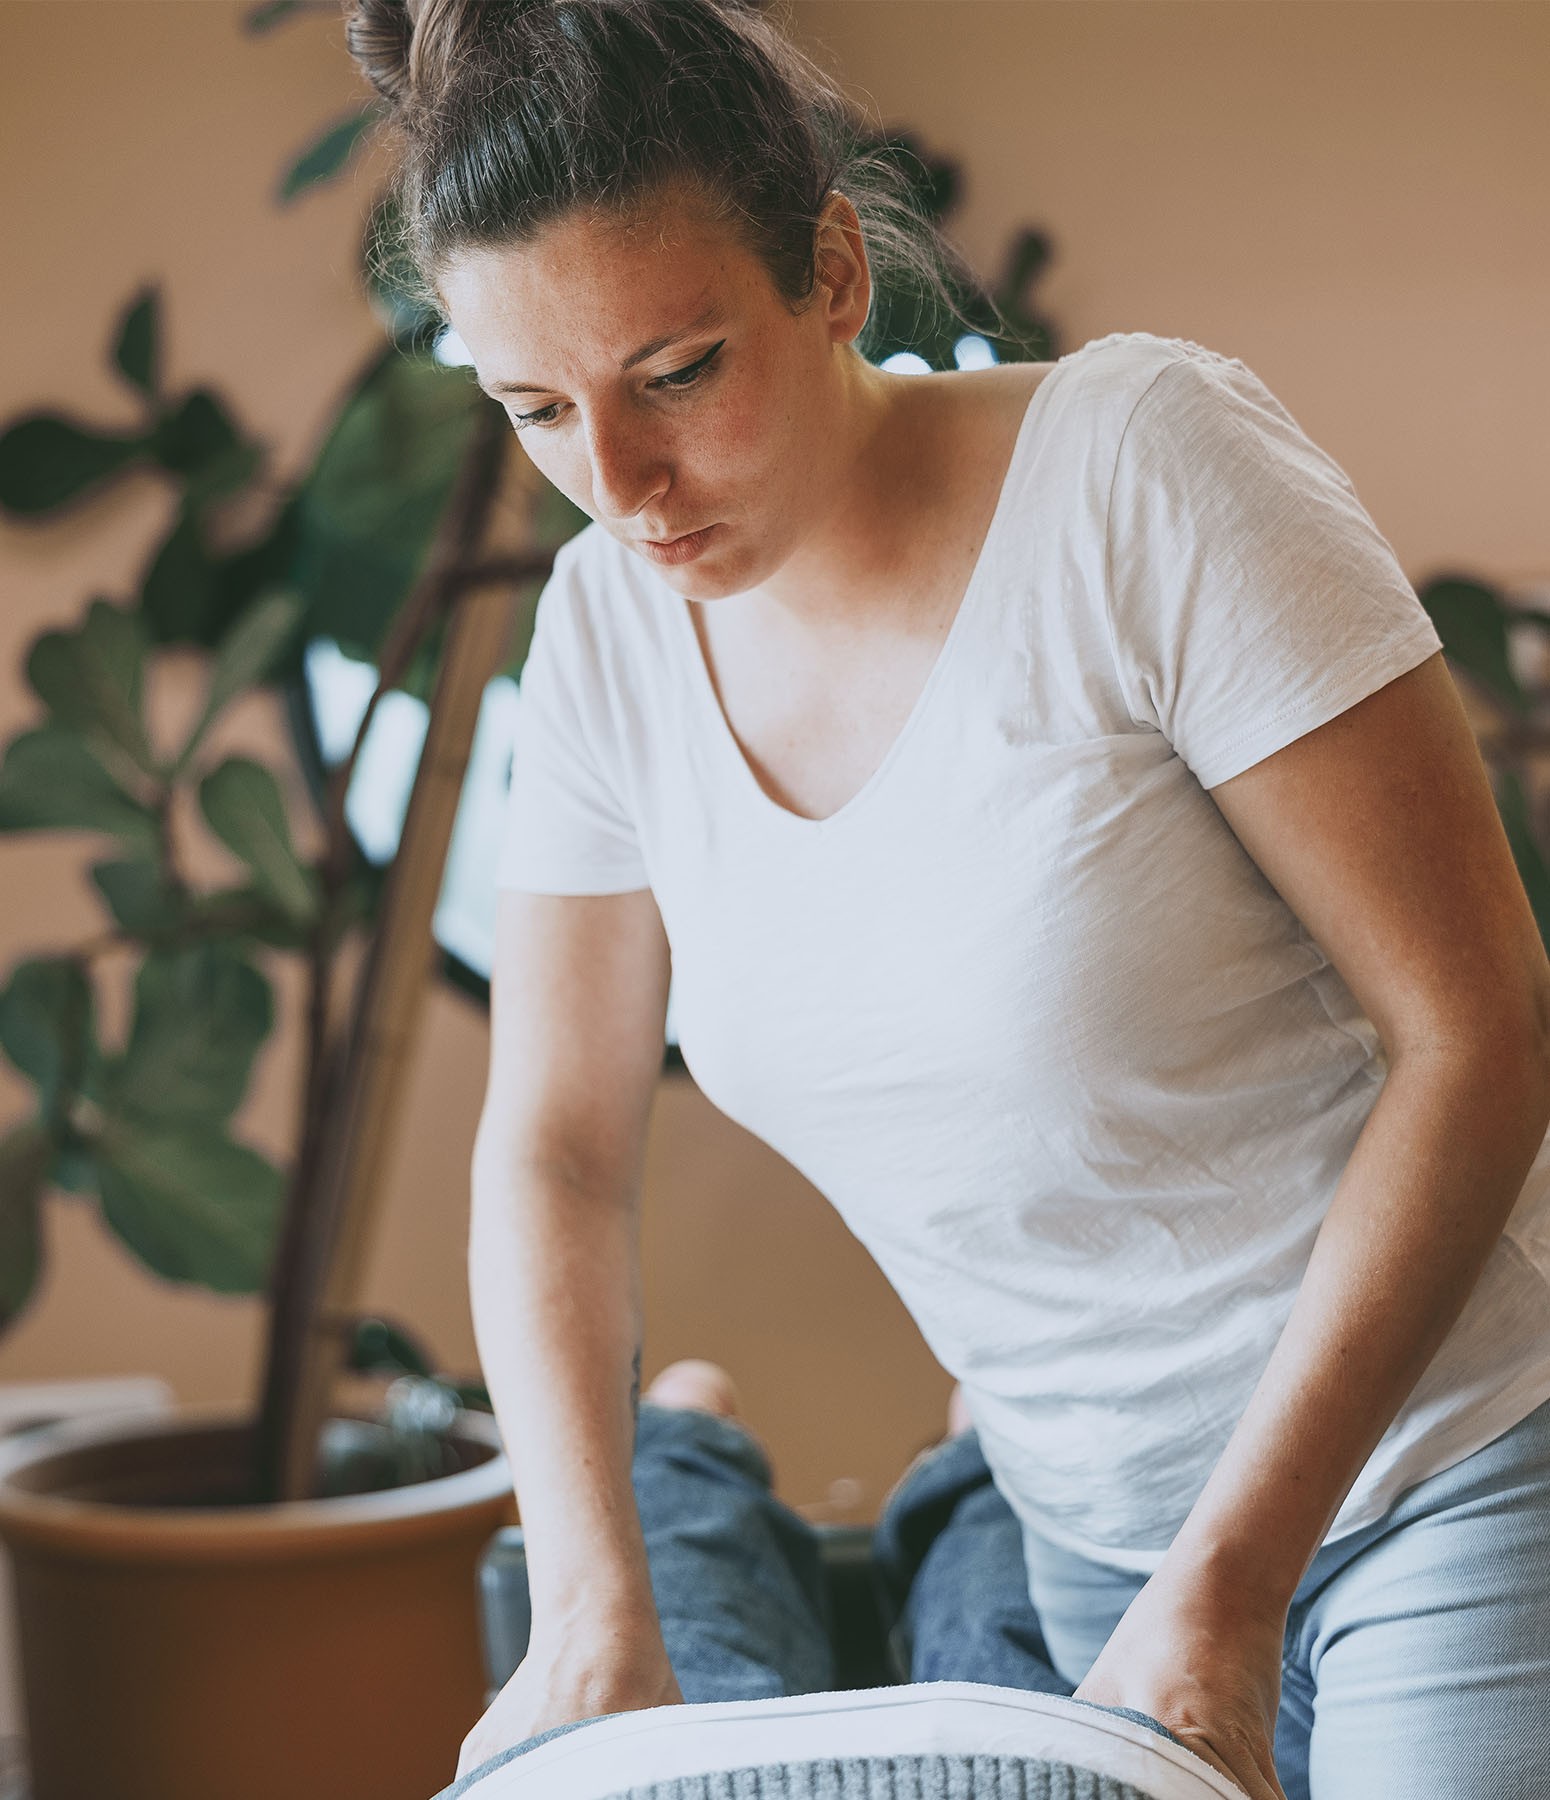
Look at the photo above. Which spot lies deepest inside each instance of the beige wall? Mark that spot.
(1351, 197)
(1348, 196)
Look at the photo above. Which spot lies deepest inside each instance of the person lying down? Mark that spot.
(739, 1586)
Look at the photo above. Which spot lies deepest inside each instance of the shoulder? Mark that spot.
(1179, 400)
(1169, 424)
(1133, 377)
(1081, 410)
(1104, 378)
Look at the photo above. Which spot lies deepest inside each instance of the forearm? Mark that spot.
(1422, 1201)
(554, 1282)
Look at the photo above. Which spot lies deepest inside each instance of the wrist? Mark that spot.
(600, 1600)
(1228, 1579)
(600, 1634)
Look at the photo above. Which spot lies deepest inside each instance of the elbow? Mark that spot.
(1507, 1049)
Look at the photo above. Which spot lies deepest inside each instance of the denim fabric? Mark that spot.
(949, 1553)
(949, 1557)
(738, 1578)
(1417, 1659)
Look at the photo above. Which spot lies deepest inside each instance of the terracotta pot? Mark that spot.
(176, 1646)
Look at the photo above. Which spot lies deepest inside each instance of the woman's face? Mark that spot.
(658, 379)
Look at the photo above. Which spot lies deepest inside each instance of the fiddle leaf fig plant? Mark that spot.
(143, 1124)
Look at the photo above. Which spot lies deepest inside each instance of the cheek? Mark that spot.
(751, 436)
(564, 469)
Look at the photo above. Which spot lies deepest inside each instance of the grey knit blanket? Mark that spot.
(911, 1777)
(896, 1778)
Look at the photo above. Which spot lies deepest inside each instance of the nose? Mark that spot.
(629, 470)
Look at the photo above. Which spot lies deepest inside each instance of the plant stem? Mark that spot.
(305, 1347)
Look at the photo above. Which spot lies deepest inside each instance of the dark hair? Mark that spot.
(514, 113)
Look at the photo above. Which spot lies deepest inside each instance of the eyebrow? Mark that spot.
(712, 315)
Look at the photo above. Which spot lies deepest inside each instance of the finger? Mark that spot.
(1260, 1762)
(1247, 1775)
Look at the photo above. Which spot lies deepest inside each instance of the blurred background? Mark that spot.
(1350, 197)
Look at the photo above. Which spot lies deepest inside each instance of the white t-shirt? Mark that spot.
(1024, 1009)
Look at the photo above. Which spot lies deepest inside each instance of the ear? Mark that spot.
(844, 277)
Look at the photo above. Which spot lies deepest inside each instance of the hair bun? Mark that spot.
(410, 50)
(380, 35)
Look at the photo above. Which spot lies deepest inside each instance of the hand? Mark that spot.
(617, 1665)
(1207, 1666)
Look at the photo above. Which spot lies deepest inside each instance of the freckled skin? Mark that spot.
(787, 440)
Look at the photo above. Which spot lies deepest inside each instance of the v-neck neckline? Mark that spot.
(721, 727)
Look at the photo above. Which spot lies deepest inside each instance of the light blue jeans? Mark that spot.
(1417, 1657)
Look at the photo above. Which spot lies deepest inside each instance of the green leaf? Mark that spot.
(46, 1028)
(1472, 622)
(1512, 803)
(25, 1155)
(73, 1168)
(199, 441)
(47, 461)
(260, 567)
(90, 679)
(178, 594)
(371, 503)
(259, 19)
(244, 807)
(201, 1014)
(248, 912)
(138, 897)
(194, 433)
(136, 353)
(224, 474)
(51, 781)
(328, 152)
(192, 1205)
(247, 653)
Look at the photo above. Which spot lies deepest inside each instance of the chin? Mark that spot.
(712, 576)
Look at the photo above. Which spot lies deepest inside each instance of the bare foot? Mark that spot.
(699, 1385)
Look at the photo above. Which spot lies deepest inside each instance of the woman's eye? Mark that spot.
(682, 378)
(544, 416)
(678, 379)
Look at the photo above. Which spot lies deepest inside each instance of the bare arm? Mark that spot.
(578, 1007)
(1379, 831)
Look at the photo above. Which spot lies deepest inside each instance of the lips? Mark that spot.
(676, 550)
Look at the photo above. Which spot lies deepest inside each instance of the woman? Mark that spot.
(1074, 857)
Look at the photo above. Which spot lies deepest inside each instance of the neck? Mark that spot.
(855, 559)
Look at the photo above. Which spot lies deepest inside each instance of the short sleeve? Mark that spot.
(1251, 597)
(566, 829)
